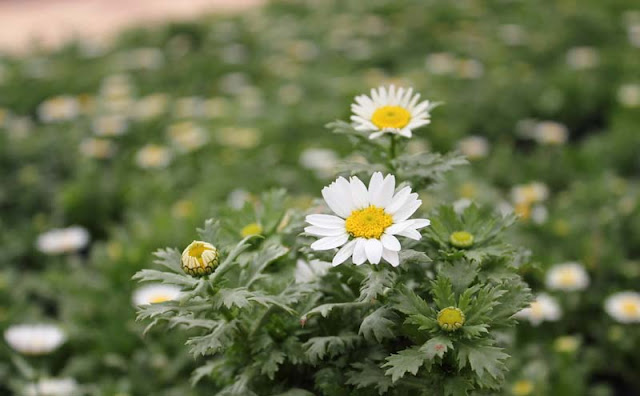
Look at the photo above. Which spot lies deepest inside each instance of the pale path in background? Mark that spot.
(52, 22)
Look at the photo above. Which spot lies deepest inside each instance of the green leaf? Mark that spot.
(270, 363)
(149, 275)
(436, 347)
(484, 359)
(267, 255)
(411, 257)
(317, 348)
(460, 273)
(238, 297)
(442, 292)
(409, 303)
(367, 375)
(169, 258)
(456, 386)
(375, 283)
(325, 309)
(219, 338)
(295, 392)
(209, 233)
(406, 361)
(378, 325)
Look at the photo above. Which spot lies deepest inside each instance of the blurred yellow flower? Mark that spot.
(251, 229)
(522, 388)
(153, 156)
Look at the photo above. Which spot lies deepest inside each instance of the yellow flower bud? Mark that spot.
(199, 258)
(461, 239)
(450, 318)
(251, 229)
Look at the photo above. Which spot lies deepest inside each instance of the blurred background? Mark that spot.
(123, 125)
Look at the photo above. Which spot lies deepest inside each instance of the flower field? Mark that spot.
(327, 198)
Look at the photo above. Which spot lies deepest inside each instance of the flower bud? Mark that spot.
(450, 318)
(461, 239)
(199, 258)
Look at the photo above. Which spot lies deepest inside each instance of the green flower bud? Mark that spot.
(450, 319)
(461, 239)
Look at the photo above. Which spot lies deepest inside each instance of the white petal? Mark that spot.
(373, 249)
(344, 188)
(391, 257)
(407, 210)
(382, 192)
(397, 228)
(411, 233)
(326, 221)
(420, 223)
(328, 243)
(359, 193)
(398, 200)
(321, 231)
(375, 186)
(376, 135)
(359, 255)
(390, 242)
(344, 253)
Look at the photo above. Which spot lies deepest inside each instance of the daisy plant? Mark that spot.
(363, 293)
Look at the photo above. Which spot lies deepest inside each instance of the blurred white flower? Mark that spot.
(153, 156)
(550, 133)
(461, 205)
(216, 107)
(474, 147)
(150, 106)
(52, 387)
(529, 193)
(242, 138)
(544, 308)
(187, 136)
(188, 107)
(97, 148)
(63, 240)
(624, 307)
(234, 54)
(567, 277)
(19, 127)
(310, 271)
(156, 293)
(390, 110)
(367, 221)
(109, 125)
(629, 95)
(441, 63)
(581, 58)
(290, 94)
(145, 58)
(633, 33)
(512, 35)
(539, 214)
(116, 94)
(237, 198)
(39, 339)
(321, 161)
(59, 108)
(470, 68)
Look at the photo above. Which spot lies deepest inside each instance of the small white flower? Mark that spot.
(52, 387)
(529, 193)
(568, 277)
(441, 63)
(237, 198)
(153, 156)
(550, 133)
(539, 214)
(367, 220)
(624, 307)
(109, 125)
(544, 308)
(63, 240)
(461, 205)
(629, 95)
(187, 136)
(513, 35)
(633, 33)
(59, 108)
(151, 106)
(390, 110)
(37, 339)
(581, 58)
(310, 271)
(474, 147)
(157, 293)
(321, 161)
(97, 148)
(189, 107)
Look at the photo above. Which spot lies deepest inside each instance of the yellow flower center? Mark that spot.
(566, 344)
(391, 117)
(450, 318)
(522, 388)
(368, 222)
(537, 310)
(251, 229)
(461, 239)
(631, 308)
(160, 298)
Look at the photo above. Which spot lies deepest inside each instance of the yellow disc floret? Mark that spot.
(522, 388)
(199, 258)
(461, 239)
(450, 318)
(251, 229)
(368, 222)
(391, 117)
(160, 298)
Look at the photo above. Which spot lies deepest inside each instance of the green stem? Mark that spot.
(392, 151)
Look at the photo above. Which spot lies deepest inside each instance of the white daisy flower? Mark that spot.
(624, 307)
(581, 58)
(629, 95)
(474, 147)
(390, 110)
(63, 240)
(37, 339)
(544, 308)
(550, 133)
(310, 271)
(109, 125)
(529, 193)
(150, 106)
(52, 387)
(153, 156)
(322, 161)
(237, 198)
(187, 136)
(367, 220)
(59, 108)
(153, 294)
(97, 148)
(568, 277)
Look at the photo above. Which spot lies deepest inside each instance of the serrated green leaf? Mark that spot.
(209, 233)
(169, 258)
(406, 361)
(375, 283)
(317, 348)
(367, 375)
(483, 359)
(378, 325)
(149, 275)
